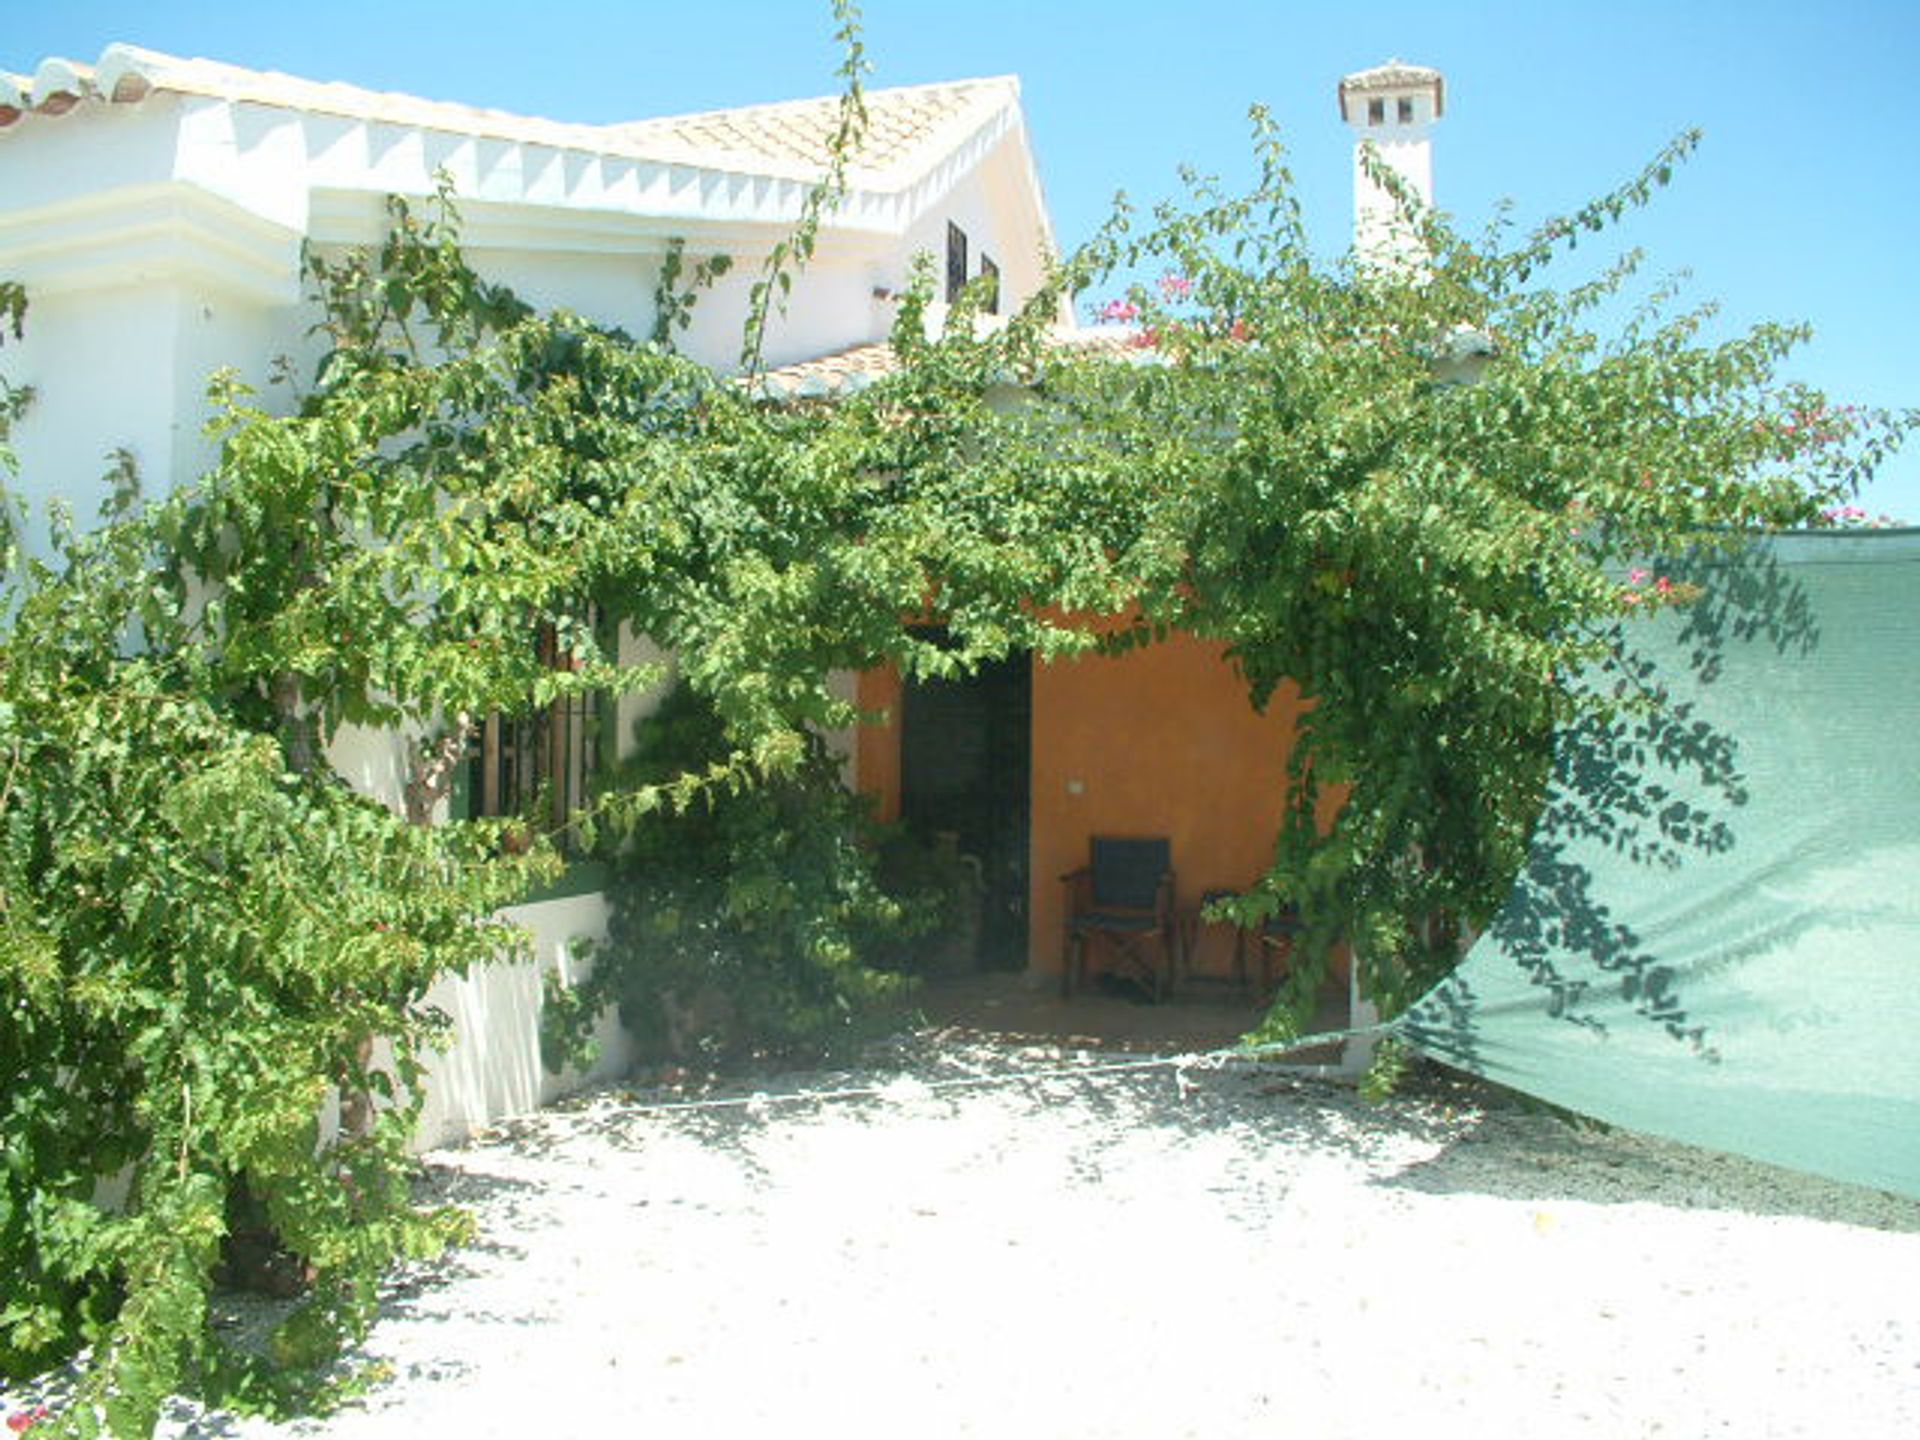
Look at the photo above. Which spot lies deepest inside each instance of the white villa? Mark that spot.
(156, 210)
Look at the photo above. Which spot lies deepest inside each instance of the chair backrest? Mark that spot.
(1126, 872)
(1285, 922)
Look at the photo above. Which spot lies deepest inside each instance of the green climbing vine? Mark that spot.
(1289, 469)
(755, 920)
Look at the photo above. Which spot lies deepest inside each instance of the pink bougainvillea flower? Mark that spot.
(1663, 585)
(1119, 312)
(1637, 576)
(1175, 287)
(1632, 597)
(1146, 339)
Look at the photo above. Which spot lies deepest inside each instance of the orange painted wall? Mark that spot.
(1159, 741)
(876, 746)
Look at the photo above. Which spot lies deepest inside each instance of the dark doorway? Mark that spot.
(965, 763)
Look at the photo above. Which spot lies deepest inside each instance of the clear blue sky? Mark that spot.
(1802, 205)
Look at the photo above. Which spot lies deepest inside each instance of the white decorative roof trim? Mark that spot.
(145, 234)
(127, 74)
(578, 192)
(361, 139)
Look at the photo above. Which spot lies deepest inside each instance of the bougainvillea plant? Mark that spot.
(1441, 569)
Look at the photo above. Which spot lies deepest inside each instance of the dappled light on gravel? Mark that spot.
(1154, 1252)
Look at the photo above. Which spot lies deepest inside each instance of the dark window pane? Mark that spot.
(956, 261)
(539, 765)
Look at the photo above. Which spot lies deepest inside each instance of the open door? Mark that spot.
(965, 769)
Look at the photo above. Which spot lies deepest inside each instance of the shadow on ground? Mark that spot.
(1521, 1149)
(1200, 1015)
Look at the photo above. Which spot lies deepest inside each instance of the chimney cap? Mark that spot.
(1395, 75)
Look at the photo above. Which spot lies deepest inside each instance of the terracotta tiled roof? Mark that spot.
(901, 125)
(905, 126)
(846, 371)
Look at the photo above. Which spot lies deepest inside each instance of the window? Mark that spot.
(1406, 110)
(956, 261)
(539, 765)
(1376, 112)
(990, 273)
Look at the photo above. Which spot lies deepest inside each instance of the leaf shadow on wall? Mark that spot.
(1659, 785)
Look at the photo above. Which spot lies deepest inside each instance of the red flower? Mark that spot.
(22, 1421)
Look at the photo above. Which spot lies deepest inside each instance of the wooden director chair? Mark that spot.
(1121, 903)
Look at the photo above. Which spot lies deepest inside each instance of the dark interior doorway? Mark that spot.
(966, 753)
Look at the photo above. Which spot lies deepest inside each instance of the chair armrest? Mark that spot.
(1080, 874)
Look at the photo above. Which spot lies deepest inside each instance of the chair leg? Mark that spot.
(1283, 959)
(1069, 964)
(1276, 956)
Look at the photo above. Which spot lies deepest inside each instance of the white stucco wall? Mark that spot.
(90, 359)
(373, 761)
(126, 366)
(493, 1068)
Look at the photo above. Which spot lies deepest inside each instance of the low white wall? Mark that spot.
(492, 1069)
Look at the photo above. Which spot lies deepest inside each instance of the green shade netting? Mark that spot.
(1717, 933)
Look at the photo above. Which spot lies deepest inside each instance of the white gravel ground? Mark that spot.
(1152, 1253)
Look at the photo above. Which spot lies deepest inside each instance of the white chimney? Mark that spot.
(1394, 107)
